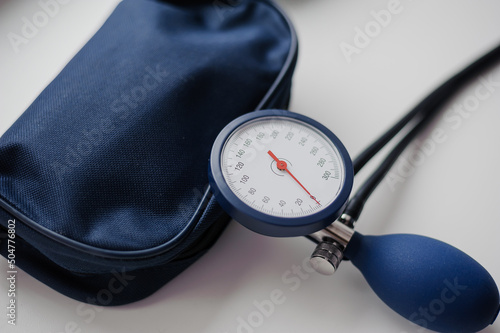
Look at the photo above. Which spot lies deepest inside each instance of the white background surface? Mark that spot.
(454, 195)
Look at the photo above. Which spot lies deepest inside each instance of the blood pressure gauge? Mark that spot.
(279, 173)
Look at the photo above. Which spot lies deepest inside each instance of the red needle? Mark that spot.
(282, 166)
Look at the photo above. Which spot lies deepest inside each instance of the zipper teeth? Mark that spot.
(274, 89)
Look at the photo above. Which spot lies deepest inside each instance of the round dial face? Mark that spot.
(282, 166)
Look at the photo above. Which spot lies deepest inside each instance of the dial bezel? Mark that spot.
(260, 222)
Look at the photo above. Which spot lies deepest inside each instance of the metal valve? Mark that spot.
(331, 242)
(326, 257)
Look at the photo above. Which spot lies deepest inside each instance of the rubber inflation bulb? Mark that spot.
(429, 282)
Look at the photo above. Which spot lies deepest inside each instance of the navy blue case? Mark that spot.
(105, 174)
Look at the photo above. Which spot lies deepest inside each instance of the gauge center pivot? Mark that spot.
(281, 165)
(276, 170)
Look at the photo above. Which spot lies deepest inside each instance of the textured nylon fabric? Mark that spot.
(108, 282)
(113, 154)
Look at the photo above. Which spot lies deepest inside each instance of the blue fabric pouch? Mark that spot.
(105, 175)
